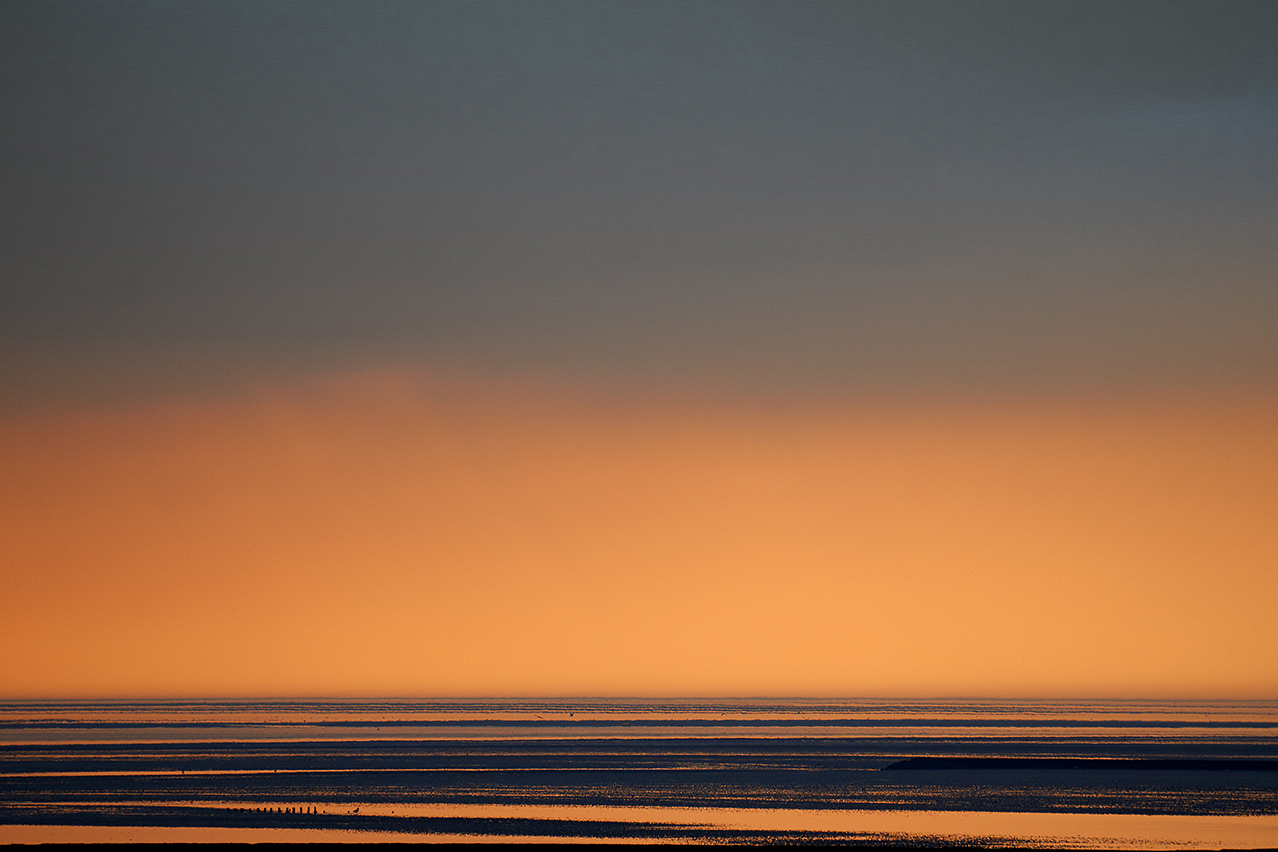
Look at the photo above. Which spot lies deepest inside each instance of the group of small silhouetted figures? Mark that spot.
(309, 810)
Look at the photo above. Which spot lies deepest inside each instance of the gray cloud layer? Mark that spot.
(839, 193)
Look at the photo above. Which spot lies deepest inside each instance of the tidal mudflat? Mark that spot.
(1060, 774)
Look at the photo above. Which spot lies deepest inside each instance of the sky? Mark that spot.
(698, 348)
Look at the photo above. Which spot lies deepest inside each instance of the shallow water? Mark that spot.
(676, 771)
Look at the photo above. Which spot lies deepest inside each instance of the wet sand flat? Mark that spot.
(872, 773)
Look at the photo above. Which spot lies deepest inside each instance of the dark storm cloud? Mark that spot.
(786, 191)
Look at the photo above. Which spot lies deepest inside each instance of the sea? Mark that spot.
(908, 773)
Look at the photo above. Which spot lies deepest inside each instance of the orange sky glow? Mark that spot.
(393, 533)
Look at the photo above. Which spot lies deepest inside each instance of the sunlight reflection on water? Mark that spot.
(1038, 830)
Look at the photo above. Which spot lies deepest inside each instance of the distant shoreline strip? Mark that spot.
(57, 724)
